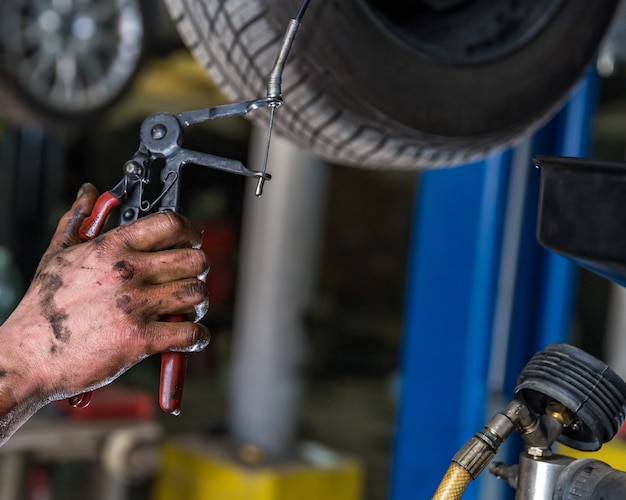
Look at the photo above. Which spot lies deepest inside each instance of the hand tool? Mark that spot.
(160, 149)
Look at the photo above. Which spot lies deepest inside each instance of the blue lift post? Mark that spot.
(451, 373)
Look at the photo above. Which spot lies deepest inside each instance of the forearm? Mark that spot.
(21, 393)
(16, 405)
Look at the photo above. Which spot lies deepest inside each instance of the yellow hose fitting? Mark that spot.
(453, 484)
(476, 454)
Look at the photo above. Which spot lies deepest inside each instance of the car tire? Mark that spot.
(64, 62)
(396, 84)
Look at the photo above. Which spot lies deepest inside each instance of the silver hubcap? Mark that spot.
(72, 55)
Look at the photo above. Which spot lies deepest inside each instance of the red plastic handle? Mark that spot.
(173, 364)
(89, 229)
(80, 400)
(92, 225)
(173, 368)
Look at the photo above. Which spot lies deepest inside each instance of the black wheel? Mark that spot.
(64, 60)
(399, 84)
(588, 388)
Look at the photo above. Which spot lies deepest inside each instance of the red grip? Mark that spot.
(80, 400)
(89, 229)
(173, 368)
(92, 225)
(173, 364)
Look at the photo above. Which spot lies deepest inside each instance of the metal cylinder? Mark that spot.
(281, 236)
(538, 476)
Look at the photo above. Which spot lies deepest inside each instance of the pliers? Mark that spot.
(160, 147)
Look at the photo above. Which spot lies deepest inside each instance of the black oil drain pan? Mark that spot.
(582, 212)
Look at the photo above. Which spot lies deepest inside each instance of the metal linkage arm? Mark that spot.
(194, 117)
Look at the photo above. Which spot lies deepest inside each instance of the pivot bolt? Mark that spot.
(133, 169)
(158, 131)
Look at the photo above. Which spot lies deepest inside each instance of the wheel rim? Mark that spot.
(463, 32)
(72, 55)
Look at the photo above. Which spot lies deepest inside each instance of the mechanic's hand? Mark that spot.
(93, 309)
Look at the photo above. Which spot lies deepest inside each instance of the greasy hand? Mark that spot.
(93, 309)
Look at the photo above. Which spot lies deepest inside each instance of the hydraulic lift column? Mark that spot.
(278, 264)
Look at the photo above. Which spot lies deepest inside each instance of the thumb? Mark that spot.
(66, 234)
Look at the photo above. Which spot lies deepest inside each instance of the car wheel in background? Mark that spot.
(63, 61)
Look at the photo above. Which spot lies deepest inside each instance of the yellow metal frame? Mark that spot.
(613, 453)
(200, 470)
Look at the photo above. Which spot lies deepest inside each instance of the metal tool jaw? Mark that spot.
(161, 137)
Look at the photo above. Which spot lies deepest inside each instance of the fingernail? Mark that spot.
(201, 343)
(81, 191)
(201, 310)
(203, 276)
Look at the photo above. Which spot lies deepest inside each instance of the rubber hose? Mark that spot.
(453, 484)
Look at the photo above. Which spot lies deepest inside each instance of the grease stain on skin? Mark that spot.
(125, 270)
(100, 242)
(124, 303)
(70, 237)
(197, 289)
(50, 283)
(57, 317)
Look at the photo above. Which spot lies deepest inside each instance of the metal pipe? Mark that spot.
(538, 477)
(276, 280)
(11, 475)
